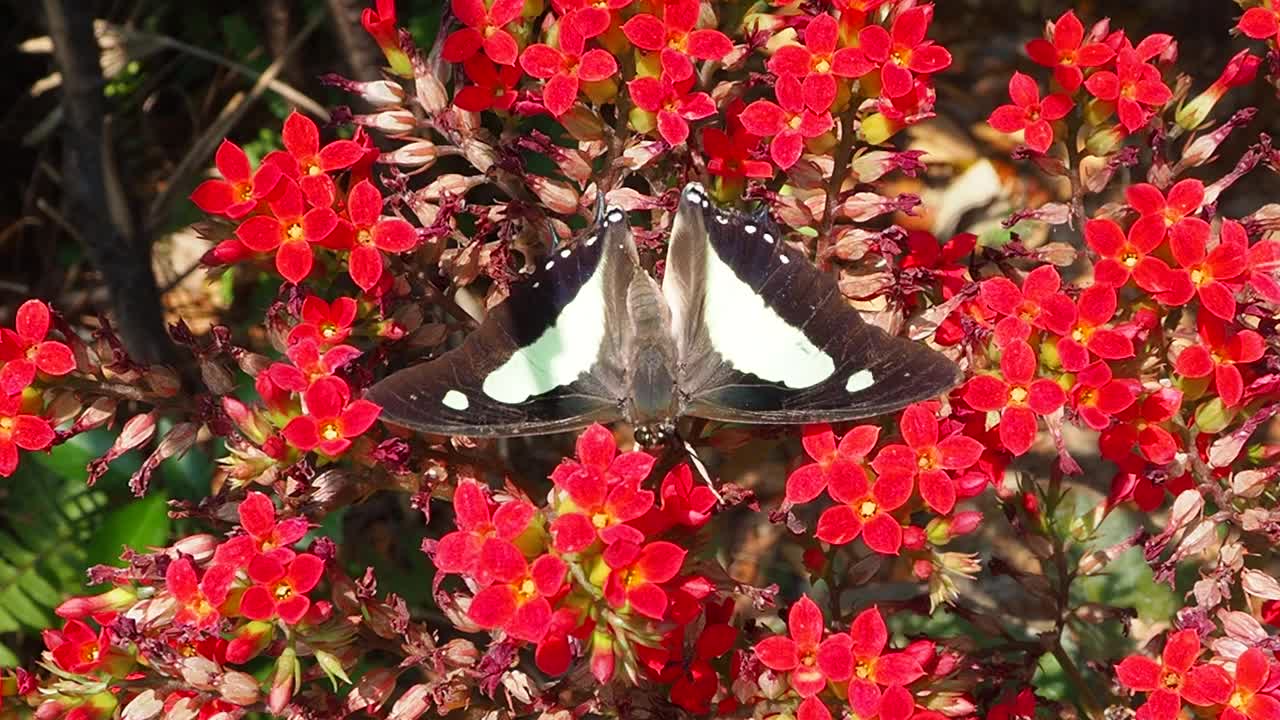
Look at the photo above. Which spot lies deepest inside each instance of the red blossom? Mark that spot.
(1019, 396)
(308, 364)
(20, 430)
(263, 534)
(1263, 271)
(325, 324)
(1135, 87)
(1038, 303)
(1096, 397)
(603, 493)
(518, 601)
(198, 598)
(485, 30)
(943, 262)
(1255, 683)
(310, 164)
(1142, 424)
(682, 502)
(810, 660)
(1218, 353)
(24, 349)
(240, 189)
(369, 235)
(589, 17)
(1175, 678)
(380, 23)
(289, 231)
(1211, 274)
(673, 36)
(926, 459)
(902, 52)
(831, 460)
(879, 679)
(1090, 337)
(461, 551)
(1019, 707)
(636, 574)
(1067, 52)
(864, 509)
(76, 648)
(280, 588)
(1261, 23)
(1029, 114)
(729, 153)
(566, 68)
(694, 681)
(331, 418)
(817, 63)
(673, 103)
(1123, 257)
(1172, 214)
(493, 86)
(789, 122)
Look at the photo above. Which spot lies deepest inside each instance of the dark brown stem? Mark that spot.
(362, 56)
(839, 172)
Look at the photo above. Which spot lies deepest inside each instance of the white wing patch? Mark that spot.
(859, 381)
(749, 335)
(455, 400)
(561, 354)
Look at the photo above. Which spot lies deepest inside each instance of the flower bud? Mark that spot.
(583, 124)
(380, 23)
(144, 706)
(199, 672)
(412, 704)
(556, 195)
(332, 666)
(913, 538)
(417, 154)
(249, 641)
(815, 560)
(112, 601)
(481, 155)
(381, 93)
(391, 122)
(602, 657)
(922, 569)
(238, 688)
(198, 547)
(1104, 141)
(1240, 70)
(284, 681)
(372, 690)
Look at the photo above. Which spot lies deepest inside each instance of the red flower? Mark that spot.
(1095, 308)
(1252, 698)
(460, 551)
(674, 104)
(309, 364)
(518, 601)
(1217, 354)
(311, 163)
(1142, 425)
(1066, 54)
(290, 233)
(730, 153)
(873, 669)
(1175, 678)
(864, 509)
(589, 17)
(263, 534)
(331, 419)
(941, 263)
(494, 86)
(1122, 257)
(817, 63)
(810, 660)
(789, 122)
(925, 459)
(485, 30)
(566, 68)
(280, 589)
(198, 599)
(380, 23)
(903, 50)
(1174, 213)
(325, 324)
(675, 39)
(694, 682)
(20, 430)
(603, 493)
(1135, 87)
(24, 350)
(369, 235)
(240, 189)
(1039, 303)
(1261, 23)
(1264, 261)
(683, 502)
(830, 460)
(76, 648)
(1019, 707)
(636, 573)
(1029, 114)
(1019, 396)
(1096, 397)
(1213, 275)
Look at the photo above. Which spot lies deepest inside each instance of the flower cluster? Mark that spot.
(28, 360)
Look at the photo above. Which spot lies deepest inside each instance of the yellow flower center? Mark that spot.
(245, 191)
(1018, 394)
(1238, 700)
(328, 330)
(1198, 276)
(864, 670)
(364, 237)
(599, 520)
(314, 169)
(868, 509)
(294, 232)
(283, 591)
(1129, 259)
(900, 57)
(330, 431)
(1171, 680)
(822, 66)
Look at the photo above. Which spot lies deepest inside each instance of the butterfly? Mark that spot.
(742, 328)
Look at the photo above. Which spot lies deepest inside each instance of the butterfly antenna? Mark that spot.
(602, 206)
(553, 239)
(701, 468)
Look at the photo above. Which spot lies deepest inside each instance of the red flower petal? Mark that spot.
(1259, 23)
(869, 633)
(542, 61)
(493, 606)
(294, 261)
(1207, 685)
(1017, 429)
(597, 65)
(33, 433)
(838, 525)
(938, 491)
(835, 657)
(986, 392)
(805, 622)
(777, 653)
(1194, 362)
(919, 426)
(644, 31)
(883, 534)
(54, 358)
(805, 483)
(1181, 650)
(708, 44)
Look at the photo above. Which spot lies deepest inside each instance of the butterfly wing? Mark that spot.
(547, 359)
(763, 336)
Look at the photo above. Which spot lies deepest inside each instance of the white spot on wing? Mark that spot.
(563, 352)
(456, 400)
(749, 229)
(565, 253)
(859, 381)
(614, 216)
(784, 259)
(592, 240)
(768, 237)
(753, 338)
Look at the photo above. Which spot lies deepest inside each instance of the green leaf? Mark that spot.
(139, 524)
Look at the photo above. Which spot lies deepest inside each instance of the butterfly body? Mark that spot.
(741, 329)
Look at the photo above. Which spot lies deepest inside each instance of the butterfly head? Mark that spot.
(655, 434)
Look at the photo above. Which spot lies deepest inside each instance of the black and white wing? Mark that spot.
(547, 359)
(763, 336)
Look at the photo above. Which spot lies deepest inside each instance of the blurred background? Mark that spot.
(111, 114)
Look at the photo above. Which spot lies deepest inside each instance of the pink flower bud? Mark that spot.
(114, 600)
(963, 523)
(381, 93)
(283, 681)
(198, 547)
(239, 688)
(913, 538)
(249, 641)
(602, 658)
(391, 122)
(412, 704)
(417, 154)
(922, 569)
(556, 195)
(372, 690)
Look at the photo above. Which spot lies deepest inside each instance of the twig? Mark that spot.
(839, 171)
